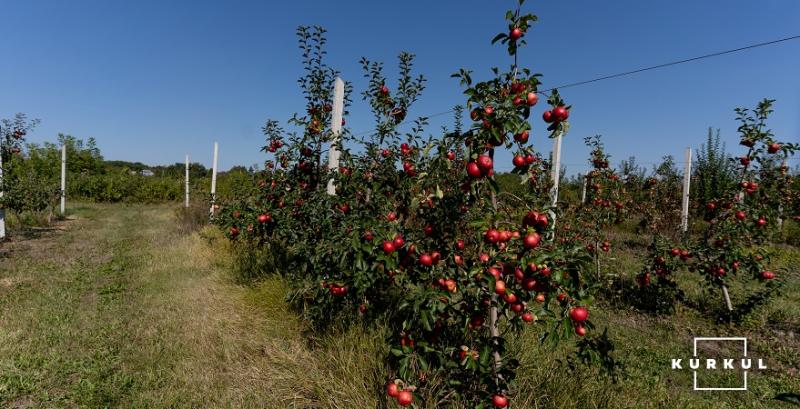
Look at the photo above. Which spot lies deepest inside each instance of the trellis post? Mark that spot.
(336, 129)
(214, 178)
(687, 178)
(186, 178)
(63, 179)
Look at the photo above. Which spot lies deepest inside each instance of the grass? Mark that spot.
(125, 306)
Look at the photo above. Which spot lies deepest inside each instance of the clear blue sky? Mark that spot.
(154, 80)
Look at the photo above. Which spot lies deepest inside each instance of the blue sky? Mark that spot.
(154, 80)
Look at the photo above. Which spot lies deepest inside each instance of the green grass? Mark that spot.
(127, 307)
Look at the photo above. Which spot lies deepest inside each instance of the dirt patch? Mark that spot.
(21, 403)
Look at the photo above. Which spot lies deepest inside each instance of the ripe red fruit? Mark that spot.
(517, 101)
(529, 159)
(398, 241)
(761, 222)
(460, 244)
(500, 287)
(515, 34)
(485, 163)
(579, 314)
(392, 390)
(388, 247)
(234, 231)
(532, 240)
(426, 260)
(404, 398)
(489, 110)
(384, 89)
(532, 99)
(385, 153)
(527, 317)
(408, 167)
(451, 155)
(542, 220)
(740, 215)
(500, 401)
(368, 236)
(473, 170)
(263, 218)
(560, 114)
(528, 284)
(510, 298)
(518, 161)
(580, 330)
(547, 116)
(428, 229)
(450, 285)
(711, 206)
(744, 160)
(767, 275)
(774, 147)
(492, 236)
(675, 252)
(392, 216)
(522, 137)
(458, 259)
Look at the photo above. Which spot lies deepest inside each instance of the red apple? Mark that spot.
(500, 401)
(532, 99)
(579, 314)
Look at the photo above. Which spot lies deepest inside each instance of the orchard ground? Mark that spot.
(121, 306)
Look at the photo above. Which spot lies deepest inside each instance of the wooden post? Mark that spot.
(63, 179)
(583, 190)
(687, 177)
(214, 178)
(186, 200)
(2, 209)
(336, 129)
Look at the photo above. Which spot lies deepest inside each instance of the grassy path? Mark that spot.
(120, 310)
